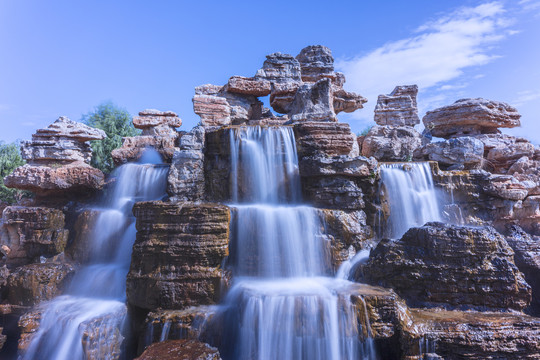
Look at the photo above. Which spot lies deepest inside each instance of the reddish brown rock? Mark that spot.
(282, 96)
(57, 161)
(249, 86)
(452, 335)
(399, 108)
(177, 255)
(471, 117)
(152, 118)
(31, 284)
(180, 349)
(82, 236)
(450, 266)
(324, 138)
(213, 110)
(28, 324)
(347, 101)
(46, 181)
(30, 232)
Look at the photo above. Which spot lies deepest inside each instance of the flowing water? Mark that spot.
(408, 188)
(283, 303)
(93, 310)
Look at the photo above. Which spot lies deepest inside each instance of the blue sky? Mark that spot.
(65, 57)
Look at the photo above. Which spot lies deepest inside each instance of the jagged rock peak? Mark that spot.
(316, 61)
(471, 117)
(398, 108)
(64, 127)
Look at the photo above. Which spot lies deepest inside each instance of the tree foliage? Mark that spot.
(10, 158)
(116, 122)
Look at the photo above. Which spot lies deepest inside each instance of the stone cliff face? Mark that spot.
(467, 288)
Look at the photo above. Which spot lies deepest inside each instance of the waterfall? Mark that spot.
(408, 189)
(94, 304)
(283, 303)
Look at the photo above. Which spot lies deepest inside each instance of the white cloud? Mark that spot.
(525, 97)
(437, 53)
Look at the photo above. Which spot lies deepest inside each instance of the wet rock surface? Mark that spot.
(177, 256)
(180, 349)
(450, 266)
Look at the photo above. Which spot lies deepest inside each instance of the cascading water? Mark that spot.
(408, 189)
(94, 302)
(283, 304)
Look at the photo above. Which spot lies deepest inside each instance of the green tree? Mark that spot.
(116, 122)
(10, 158)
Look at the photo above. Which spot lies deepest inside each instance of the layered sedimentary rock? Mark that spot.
(502, 151)
(177, 256)
(180, 349)
(82, 236)
(194, 323)
(186, 180)
(391, 143)
(437, 334)
(462, 153)
(30, 232)
(527, 258)
(58, 161)
(450, 266)
(31, 284)
(324, 138)
(304, 88)
(399, 108)
(158, 132)
(471, 117)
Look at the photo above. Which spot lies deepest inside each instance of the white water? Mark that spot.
(94, 303)
(408, 189)
(282, 304)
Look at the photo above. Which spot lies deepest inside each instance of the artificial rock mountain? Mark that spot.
(463, 288)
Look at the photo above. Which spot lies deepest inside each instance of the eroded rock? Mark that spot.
(399, 108)
(455, 154)
(471, 117)
(450, 266)
(180, 349)
(391, 143)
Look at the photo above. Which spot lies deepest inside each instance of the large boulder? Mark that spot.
(450, 266)
(58, 160)
(31, 284)
(455, 154)
(324, 138)
(399, 108)
(471, 117)
(30, 232)
(177, 256)
(391, 143)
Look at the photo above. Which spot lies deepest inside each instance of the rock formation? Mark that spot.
(471, 117)
(58, 160)
(158, 132)
(477, 263)
(180, 349)
(399, 108)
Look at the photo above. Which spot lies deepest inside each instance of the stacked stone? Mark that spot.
(58, 160)
(158, 132)
(394, 137)
(301, 88)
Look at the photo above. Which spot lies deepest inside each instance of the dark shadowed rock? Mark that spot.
(471, 117)
(450, 266)
(313, 102)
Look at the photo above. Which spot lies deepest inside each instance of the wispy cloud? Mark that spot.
(526, 96)
(436, 54)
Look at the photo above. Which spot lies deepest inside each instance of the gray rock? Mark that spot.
(463, 152)
(313, 102)
(391, 143)
(316, 63)
(471, 117)
(399, 108)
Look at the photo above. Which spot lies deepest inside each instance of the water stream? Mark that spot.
(409, 191)
(283, 304)
(87, 320)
